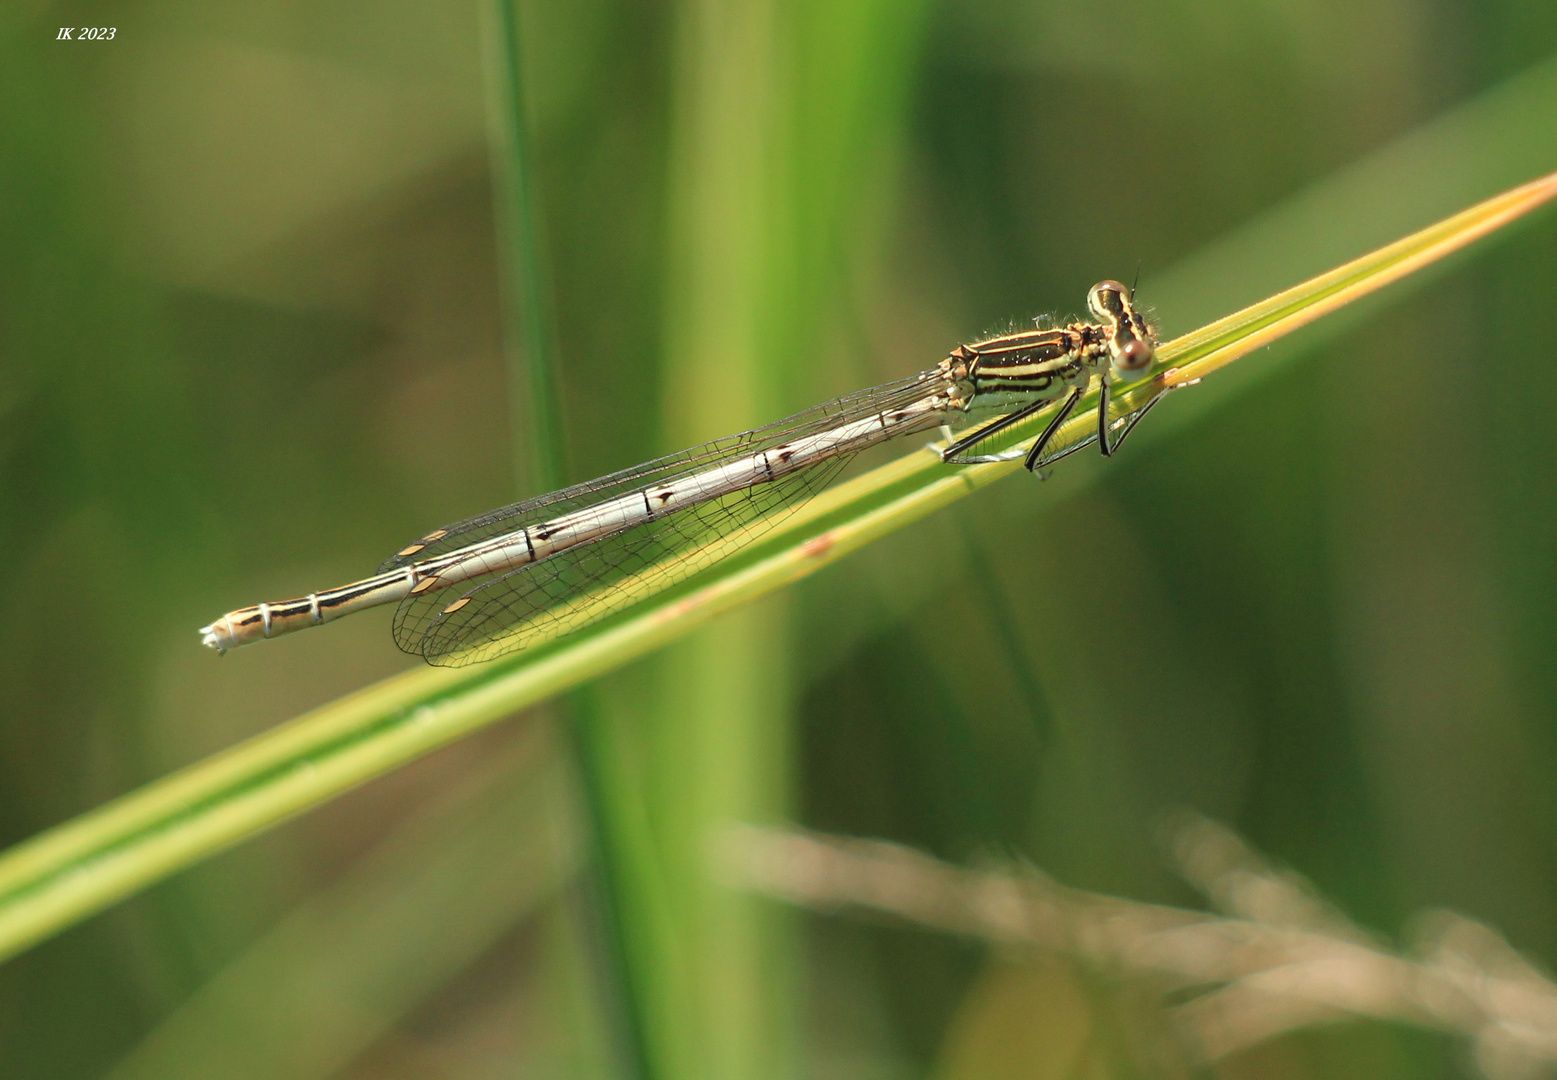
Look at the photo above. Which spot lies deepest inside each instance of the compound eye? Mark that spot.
(1134, 355)
(1107, 300)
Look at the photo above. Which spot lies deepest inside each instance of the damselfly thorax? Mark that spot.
(530, 572)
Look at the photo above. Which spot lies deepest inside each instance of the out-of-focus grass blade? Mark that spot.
(69, 872)
(530, 332)
(322, 985)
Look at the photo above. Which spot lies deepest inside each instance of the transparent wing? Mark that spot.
(663, 470)
(512, 610)
(544, 600)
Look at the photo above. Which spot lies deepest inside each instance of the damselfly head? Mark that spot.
(1130, 348)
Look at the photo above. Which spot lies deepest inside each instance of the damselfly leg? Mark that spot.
(952, 455)
(1035, 455)
(1110, 448)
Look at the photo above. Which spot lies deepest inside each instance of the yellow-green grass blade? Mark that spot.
(80, 867)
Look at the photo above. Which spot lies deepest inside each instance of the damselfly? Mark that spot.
(529, 572)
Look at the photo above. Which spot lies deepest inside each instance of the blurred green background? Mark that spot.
(252, 339)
